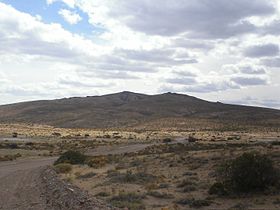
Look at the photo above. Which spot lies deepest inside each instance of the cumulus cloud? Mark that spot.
(265, 50)
(70, 16)
(198, 19)
(22, 33)
(144, 46)
(243, 68)
(230, 77)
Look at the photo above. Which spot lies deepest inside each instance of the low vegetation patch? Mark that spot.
(97, 162)
(129, 177)
(102, 194)
(130, 201)
(71, 157)
(87, 175)
(193, 203)
(9, 157)
(63, 168)
(157, 194)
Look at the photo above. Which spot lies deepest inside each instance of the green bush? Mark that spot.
(250, 172)
(71, 157)
(217, 188)
(63, 168)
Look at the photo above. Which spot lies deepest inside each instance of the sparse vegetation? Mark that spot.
(129, 177)
(87, 175)
(72, 157)
(193, 203)
(157, 194)
(97, 161)
(162, 173)
(63, 168)
(132, 201)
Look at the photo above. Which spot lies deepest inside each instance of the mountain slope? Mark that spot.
(127, 109)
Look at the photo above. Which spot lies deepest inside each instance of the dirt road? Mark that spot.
(32, 185)
(20, 184)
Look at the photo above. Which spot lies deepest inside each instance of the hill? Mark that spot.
(128, 109)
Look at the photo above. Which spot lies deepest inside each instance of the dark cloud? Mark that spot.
(184, 73)
(272, 103)
(210, 87)
(248, 81)
(271, 62)
(209, 19)
(265, 50)
(272, 28)
(247, 69)
(182, 80)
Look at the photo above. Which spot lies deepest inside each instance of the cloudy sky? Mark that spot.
(218, 50)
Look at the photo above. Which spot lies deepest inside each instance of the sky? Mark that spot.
(217, 50)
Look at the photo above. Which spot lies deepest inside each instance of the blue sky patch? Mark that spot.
(49, 14)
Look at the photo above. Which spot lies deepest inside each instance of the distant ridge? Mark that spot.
(127, 109)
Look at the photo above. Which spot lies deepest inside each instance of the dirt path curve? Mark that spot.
(9, 167)
(20, 184)
(32, 185)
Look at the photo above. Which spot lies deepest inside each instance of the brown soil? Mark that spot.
(31, 184)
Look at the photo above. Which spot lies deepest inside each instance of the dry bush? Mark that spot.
(63, 168)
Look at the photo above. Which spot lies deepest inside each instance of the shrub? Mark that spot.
(12, 146)
(131, 201)
(194, 203)
(217, 189)
(275, 143)
(87, 175)
(10, 157)
(192, 139)
(186, 183)
(63, 168)
(56, 134)
(167, 140)
(72, 157)
(249, 173)
(97, 162)
(200, 203)
(102, 194)
(157, 194)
